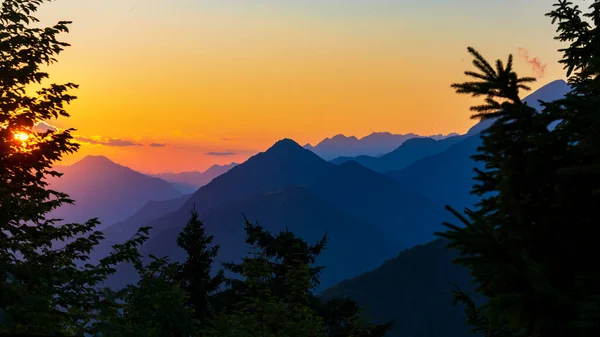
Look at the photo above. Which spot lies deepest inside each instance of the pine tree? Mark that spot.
(154, 307)
(42, 290)
(529, 241)
(195, 274)
(274, 295)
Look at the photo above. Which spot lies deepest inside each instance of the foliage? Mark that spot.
(195, 275)
(42, 291)
(272, 299)
(155, 306)
(529, 241)
(342, 317)
(274, 295)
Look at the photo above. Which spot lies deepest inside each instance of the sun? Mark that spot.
(21, 136)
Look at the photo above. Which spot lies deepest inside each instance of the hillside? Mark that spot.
(445, 178)
(296, 209)
(395, 208)
(413, 289)
(106, 190)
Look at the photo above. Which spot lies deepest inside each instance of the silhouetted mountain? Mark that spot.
(415, 149)
(372, 145)
(380, 208)
(447, 177)
(441, 136)
(296, 209)
(413, 289)
(124, 230)
(184, 187)
(404, 155)
(549, 92)
(285, 163)
(381, 202)
(149, 212)
(106, 190)
(194, 180)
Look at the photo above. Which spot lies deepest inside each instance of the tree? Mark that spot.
(41, 288)
(342, 318)
(154, 307)
(274, 295)
(195, 275)
(271, 299)
(529, 241)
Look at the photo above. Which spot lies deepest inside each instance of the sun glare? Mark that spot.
(21, 136)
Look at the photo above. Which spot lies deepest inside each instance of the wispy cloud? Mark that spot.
(106, 141)
(535, 62)
(157, 145)
(228, 153)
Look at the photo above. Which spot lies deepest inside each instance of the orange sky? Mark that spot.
(217, 81)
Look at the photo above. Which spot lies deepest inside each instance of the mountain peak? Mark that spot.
(95, 160)
(285, 144)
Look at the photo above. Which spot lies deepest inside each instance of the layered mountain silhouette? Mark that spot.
(189, 182)
(447, 177)
(375, 144)
(414, 290)
(416, 149)
(106, 190)
(393, 207)
(404, 155)
(290, 187)
(309, 192)
(296, 209)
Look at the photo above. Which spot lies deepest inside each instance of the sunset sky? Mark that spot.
(216, 81)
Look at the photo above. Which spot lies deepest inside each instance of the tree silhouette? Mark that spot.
(274, 295)
(42, 290)
(195, 274)
(529, 242)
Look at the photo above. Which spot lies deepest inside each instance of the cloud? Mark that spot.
(535, 62)
(94, 140)
(107, 141)
(221, 153)
(43, 127)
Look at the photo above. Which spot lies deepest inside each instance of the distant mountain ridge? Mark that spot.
(374, 144)
(447, 177)
(416, 149)
(106, 190)
(190, 181)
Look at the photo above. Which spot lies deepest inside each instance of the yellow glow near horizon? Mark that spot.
(199, 78)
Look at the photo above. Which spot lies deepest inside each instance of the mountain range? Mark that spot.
(416, 149)
(189, 182)
(308, 194)
(376, 144)
(388, 203)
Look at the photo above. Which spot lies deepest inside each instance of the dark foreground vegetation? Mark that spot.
(529, 243)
